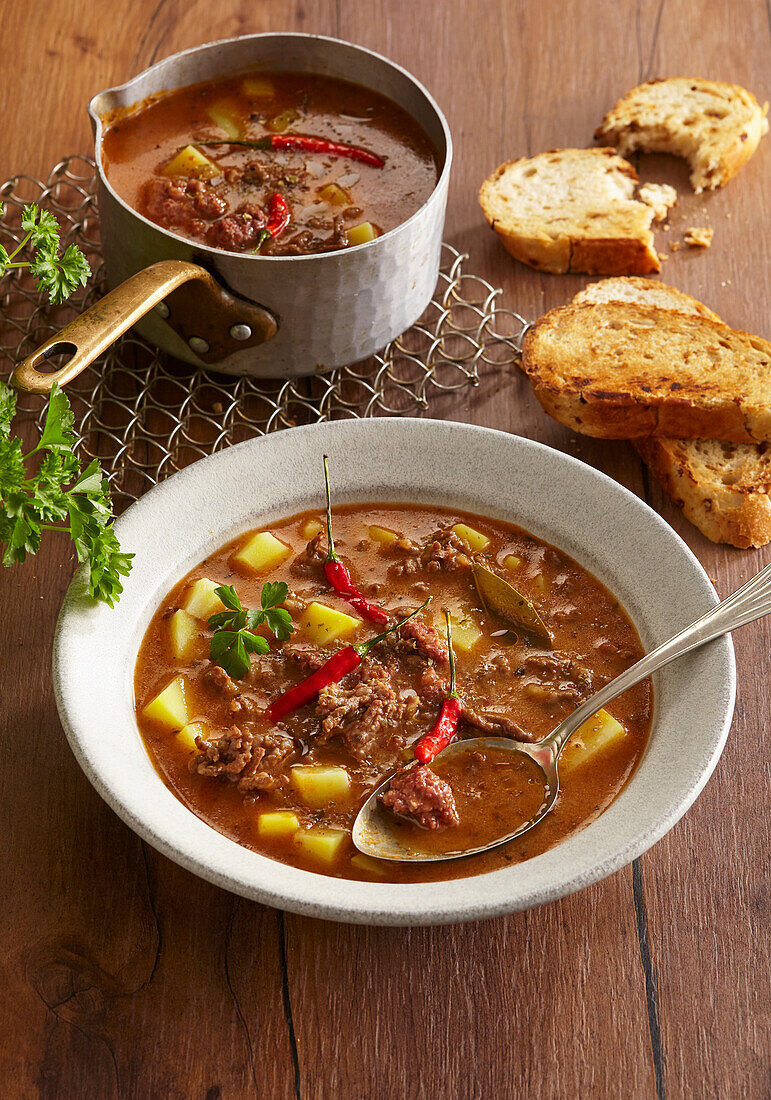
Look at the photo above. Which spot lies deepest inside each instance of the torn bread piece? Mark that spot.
(661, 196)
(699, 236)
(571, 210)
(716, 127)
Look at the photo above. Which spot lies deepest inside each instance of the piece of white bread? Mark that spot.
(644, 292)
(715, 126)
(571, 210)
(661, 196)
(723, 488)
(619, 370)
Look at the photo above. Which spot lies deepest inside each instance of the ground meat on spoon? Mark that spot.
(421, 795)
(182, 203)
(360, 706)
(250, 760)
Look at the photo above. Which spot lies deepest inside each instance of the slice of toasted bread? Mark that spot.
(619, 370)
(645, 292)
(715, 126)
(724, 489)
(571, 210)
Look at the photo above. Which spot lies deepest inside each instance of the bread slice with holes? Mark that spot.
(723, 488)
(716, 127)
(571, 210)
(620, 370)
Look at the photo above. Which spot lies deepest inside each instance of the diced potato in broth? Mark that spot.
(188, 734)
(382, 535)
(361, 234)
(474, 539)
(311, 528)
(278, 823)
(169, 707)
(592, 737)
(262, 553)
(323, 624)
(226, 116)
(202, 600)
(322, 844)
(321, 784)
(511, 561)
(191, 162)
(183, 629)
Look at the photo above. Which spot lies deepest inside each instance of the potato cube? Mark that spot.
(360, 234)
(320, 784)
(188, 734)
(169, 708)
(321, 844)
(511, 561)
(311, 528)
(278, 823)
(591, 737)
(466, 632)
(262, 553)
(382, 534)
(335, 195)
(258, 86)
(323, 624)
(227, 117)
(368, 866)
(191, 162)
(541, 582)
(475, 540)
(202, 601)
(182, 630)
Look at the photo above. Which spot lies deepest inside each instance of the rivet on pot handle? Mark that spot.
(213, 322)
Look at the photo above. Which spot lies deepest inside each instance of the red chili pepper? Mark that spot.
(338, 574)
(279, 215)
(309, 144)
(331, 672)
(431, 744)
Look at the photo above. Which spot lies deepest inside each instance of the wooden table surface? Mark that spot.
(123, 975)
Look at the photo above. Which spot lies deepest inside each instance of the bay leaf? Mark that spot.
(502, 600)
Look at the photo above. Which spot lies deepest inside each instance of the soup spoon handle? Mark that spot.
(751, 601)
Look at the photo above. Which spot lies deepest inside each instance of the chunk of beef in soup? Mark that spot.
(187, 161)
(291, 789)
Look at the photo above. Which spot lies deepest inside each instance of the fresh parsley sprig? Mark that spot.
(57, 496)
(234, 638)
(56, 274)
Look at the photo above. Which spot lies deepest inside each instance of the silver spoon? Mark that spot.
(374, 833)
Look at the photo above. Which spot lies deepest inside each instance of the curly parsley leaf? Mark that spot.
(58, 496)
(55, 274)
(233, 639)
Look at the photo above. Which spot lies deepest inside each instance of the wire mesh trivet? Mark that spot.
(144, 415)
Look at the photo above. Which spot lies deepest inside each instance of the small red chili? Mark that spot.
(331, 672)
(279, 216)
(309, 144)
(338, 574)
(431, 744)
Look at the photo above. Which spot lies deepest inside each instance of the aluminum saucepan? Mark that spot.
(264, 316)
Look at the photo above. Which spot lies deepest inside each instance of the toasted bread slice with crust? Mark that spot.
(571, 210)
(715, 126)
(618, 370)
(724, 489)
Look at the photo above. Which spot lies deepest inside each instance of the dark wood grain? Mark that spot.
(124, 976)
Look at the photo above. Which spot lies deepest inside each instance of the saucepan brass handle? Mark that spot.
(213, 322)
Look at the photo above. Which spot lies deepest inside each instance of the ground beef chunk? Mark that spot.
(217, 678)
(441, 551)
(560, 677)
(360, 706)
(309, 563)
(182, 203)
(304, 242)
(425, 639)
(434, 688)
(238, 231)
(248, 760)
(420, 794)
(308, 658)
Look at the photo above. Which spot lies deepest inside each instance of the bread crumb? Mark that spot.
(675, 246)
(663, 256)
(660, 196)
(699, 236)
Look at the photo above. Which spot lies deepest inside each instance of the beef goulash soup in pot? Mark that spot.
(280, 164)
(270, 715)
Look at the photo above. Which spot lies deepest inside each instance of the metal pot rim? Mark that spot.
(204, 249)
